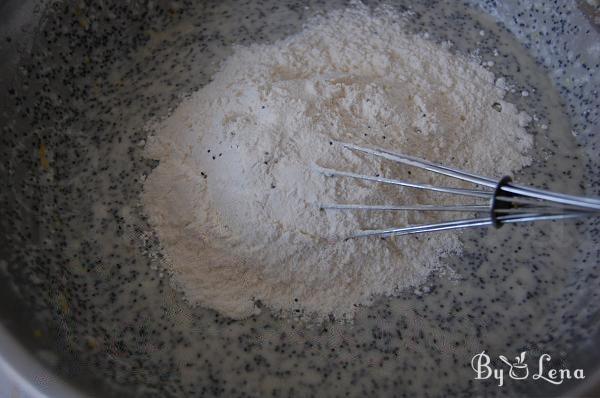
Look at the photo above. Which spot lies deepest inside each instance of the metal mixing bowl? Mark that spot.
(84, 306)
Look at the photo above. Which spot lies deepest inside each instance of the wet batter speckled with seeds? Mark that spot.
(94, 264)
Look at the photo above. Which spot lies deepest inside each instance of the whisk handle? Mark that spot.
(496, 204)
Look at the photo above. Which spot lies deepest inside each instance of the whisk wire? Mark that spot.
(424, 164)
(457, 191)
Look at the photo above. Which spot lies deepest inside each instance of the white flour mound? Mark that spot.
(235, 198)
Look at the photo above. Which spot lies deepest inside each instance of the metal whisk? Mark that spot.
(506, 202)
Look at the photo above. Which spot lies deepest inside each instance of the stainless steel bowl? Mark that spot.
(84, 308)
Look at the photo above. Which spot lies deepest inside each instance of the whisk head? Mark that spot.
(507, 203)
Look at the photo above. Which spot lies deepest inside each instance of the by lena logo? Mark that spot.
(519, 370)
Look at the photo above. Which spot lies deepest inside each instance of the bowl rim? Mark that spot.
(27, 375)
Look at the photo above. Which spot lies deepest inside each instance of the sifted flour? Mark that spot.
(235, 197)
